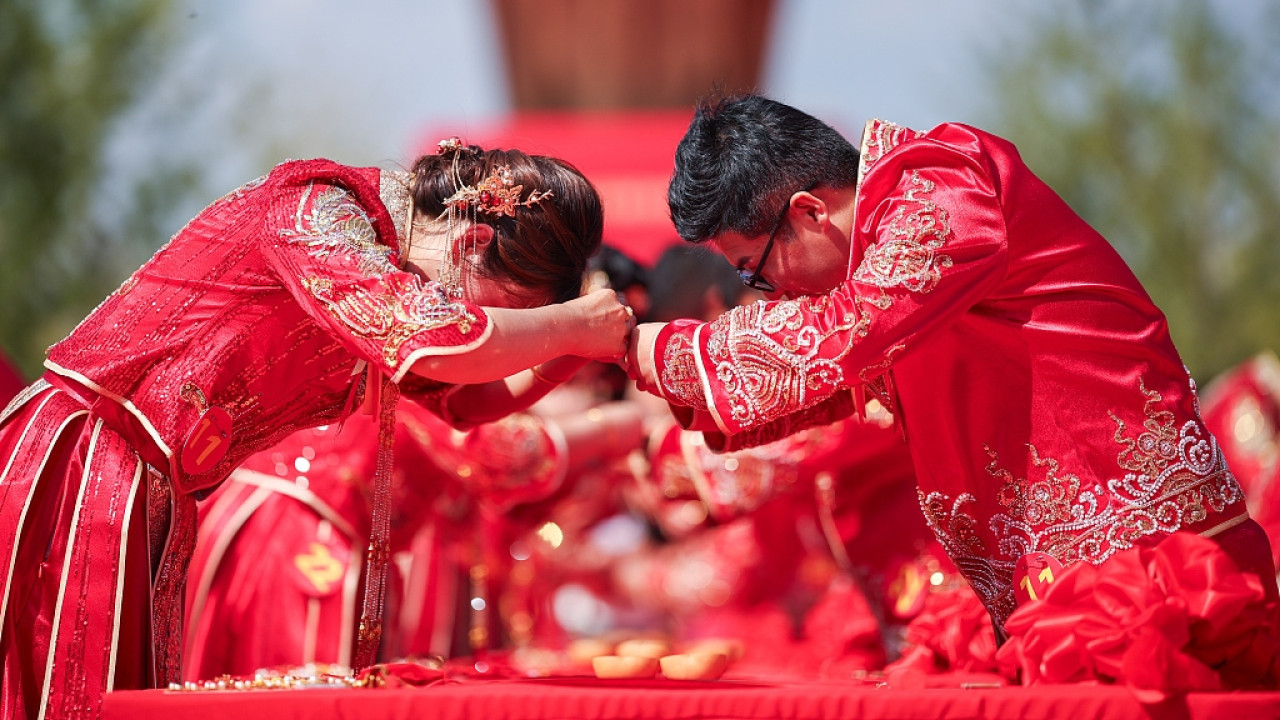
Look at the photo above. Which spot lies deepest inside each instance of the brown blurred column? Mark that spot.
(613, 54)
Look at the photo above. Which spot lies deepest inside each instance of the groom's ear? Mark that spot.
(807, 207)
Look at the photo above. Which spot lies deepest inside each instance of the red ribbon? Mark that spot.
(1174, 618)
(952, 633)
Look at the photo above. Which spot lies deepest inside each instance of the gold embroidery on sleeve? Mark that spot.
(770, 361)
(905, 255)
(336, 224)
(680, 372)
(390, 312)
(390, 316)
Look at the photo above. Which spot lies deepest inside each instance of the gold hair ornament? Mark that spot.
(495, 195)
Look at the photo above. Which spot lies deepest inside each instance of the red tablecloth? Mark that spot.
(589, 698)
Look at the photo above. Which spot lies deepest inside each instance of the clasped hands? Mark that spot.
(611, 334)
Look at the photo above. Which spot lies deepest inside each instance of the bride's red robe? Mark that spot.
(256, 320)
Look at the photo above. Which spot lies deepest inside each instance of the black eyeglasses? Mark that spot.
(755, 278)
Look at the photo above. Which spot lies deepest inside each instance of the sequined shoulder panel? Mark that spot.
(330, 221)
(395, 190)
(906, 253)
(380, 303)
(878, 138)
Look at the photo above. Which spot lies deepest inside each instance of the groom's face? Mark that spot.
(810, 250)
(800, 263)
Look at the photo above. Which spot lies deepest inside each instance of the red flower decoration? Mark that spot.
(841, 628)
(1174, 618)
(952, 633)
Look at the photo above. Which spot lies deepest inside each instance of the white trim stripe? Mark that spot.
(22, 518)
(706, 382)
(407, 364)
(126, 404)
(120, 575)
(66, 570)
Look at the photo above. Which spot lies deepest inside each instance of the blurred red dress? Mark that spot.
(11, 382)
(278, 559)
(849, 486)
(1242, 409)
(254, 321)
(1044, 404)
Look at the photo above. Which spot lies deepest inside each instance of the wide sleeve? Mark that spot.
(333, 248)
(518, 459)
(683, 467)
(931, 222)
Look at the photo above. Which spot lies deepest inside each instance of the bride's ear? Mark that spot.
(475, 241)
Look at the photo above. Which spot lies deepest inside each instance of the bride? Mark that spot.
(291, 302)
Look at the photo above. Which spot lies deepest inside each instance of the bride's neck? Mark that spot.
(427, 242)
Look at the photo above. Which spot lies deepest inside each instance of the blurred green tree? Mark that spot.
(1159, 124)
(68, 69)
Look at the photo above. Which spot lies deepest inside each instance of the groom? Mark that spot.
(1050, 418)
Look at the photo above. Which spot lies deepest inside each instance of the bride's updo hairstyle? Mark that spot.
(544, 234)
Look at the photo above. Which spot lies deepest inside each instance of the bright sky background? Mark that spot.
(257, 81)
(363, 85)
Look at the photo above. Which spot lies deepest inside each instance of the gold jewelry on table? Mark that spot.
(282, 682)
(311, 675)
(304, 676)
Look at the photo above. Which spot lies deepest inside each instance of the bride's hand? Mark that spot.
(604, 326)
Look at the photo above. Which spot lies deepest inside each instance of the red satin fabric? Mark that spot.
(1043, 401)
(71, 579)
(953, 633)
(1175, 618)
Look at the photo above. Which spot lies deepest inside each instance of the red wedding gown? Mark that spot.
(11, 382)
(1043, 401)
(256, 320)
(277, 564)
(1242, 408)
